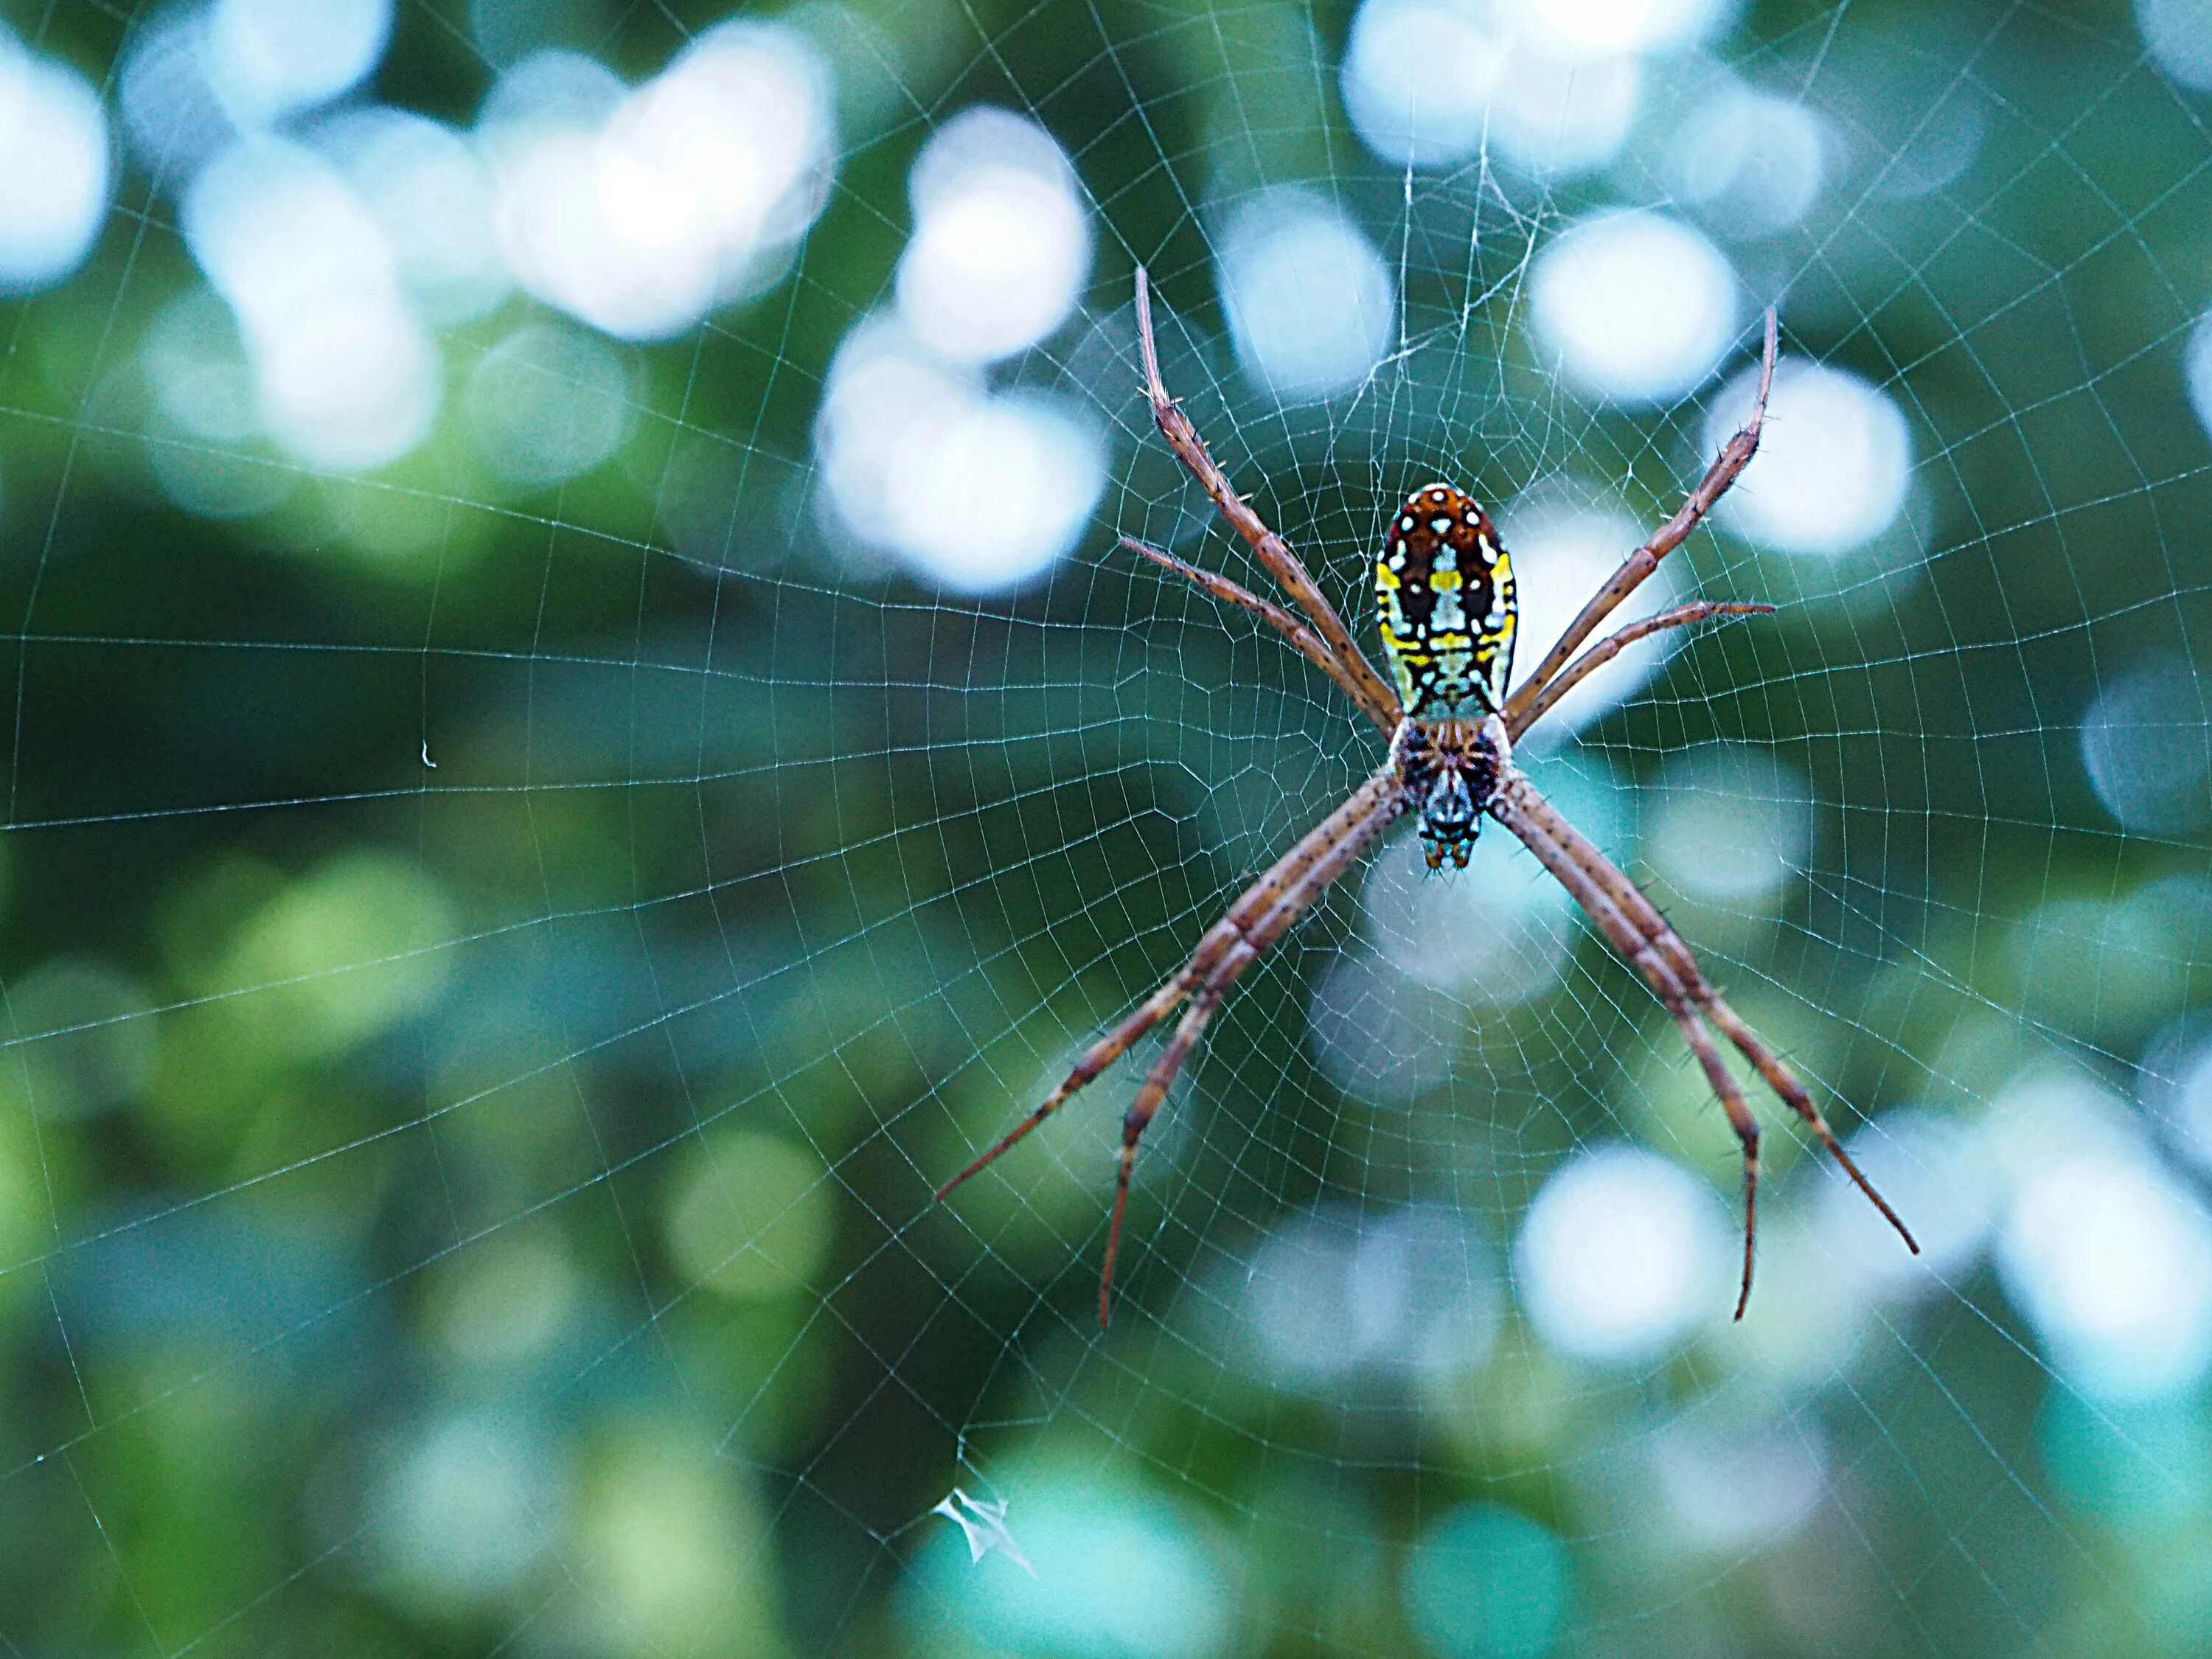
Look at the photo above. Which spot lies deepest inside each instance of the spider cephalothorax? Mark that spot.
(1450, 770)
(1444, 590)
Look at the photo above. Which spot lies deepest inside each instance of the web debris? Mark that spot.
(984, 1526)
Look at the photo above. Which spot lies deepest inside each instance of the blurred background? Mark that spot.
(577, 740)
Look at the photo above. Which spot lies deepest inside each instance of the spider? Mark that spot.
(1448, 614)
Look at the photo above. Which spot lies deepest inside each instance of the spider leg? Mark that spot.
(1262, 913)
(1094, 1060)
(1613, 644)
(1375, 697)
(1138, 1117)
(1645, 917)
(1511, 809)
(1307, 642)
(1637, 929)
(1734, 456)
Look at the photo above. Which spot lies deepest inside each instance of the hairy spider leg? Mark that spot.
(1308, 643)
(1364, 686)
(1734, 456)
(1682, 615)
(1511, 810)
(1261, 916)
(1637, 929)
(1646, 917)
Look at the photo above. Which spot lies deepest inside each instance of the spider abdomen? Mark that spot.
(1445, 602)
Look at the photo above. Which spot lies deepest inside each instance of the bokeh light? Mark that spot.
(1728, 824)
(1623, 1254)
(1486, 1582)
(1335, 1294)
(1563, 549)
(2174, 1086)
(53, 155)
(1429, 83)
(1834, 461)
(1439, 116)
(266, 59)
(1496, 933)
(1936, 1170)
(172, 112)
(1731, 1486)
(548, 404)
(2146, 744)
(2179, 35)
(1379, 1034)
(639, 211)
(1630, 25)
(88, 1044)
(1311, 304)
(466, 1508)
(1001, 249)
(1088, 1540)
(974, 491)
(2108, 1255)
(751, 1215)
(1750, 162)
(432, 196)
(1633, 306)
(346, 376)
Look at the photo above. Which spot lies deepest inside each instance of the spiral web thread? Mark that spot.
(771, 870)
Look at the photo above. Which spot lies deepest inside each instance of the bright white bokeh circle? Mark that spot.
(1436, 119)
(54, 160)
(1623, 1254)
(975, 492)
(639, 211)
(2105, 1253)
(432, 194)
(1311, 304)
(1430, 84)
(267, 58)
(1635, 306)
(2112, 1261)
(1001, 245)
(1834, 462)
(1627, 25)
(1557, 115)
(347, 377)
(2179, 35)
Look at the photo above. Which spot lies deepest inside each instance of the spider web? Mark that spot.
(505, 936)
